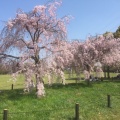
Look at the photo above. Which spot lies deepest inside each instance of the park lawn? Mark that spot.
(6, 82)
(59, 102)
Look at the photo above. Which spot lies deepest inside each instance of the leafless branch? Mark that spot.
(2, 55)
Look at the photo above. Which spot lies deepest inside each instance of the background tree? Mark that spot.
(117, 33)
(102, 49)
(64, 59)
(108, 35)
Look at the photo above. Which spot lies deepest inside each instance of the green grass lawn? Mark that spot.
(59, 102)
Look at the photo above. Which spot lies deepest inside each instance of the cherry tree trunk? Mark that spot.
(40, 87)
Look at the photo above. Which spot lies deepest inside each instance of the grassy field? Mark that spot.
(59, 102)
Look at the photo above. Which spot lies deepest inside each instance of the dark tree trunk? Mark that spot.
(104, 72)
(108, 72)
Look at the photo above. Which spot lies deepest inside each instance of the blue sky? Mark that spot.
(91, 17)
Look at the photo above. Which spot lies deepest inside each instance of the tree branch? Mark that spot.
(5, 55)
(29, 47)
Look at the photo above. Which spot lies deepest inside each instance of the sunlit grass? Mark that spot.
(6, 81)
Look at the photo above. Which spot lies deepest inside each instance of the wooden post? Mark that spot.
(12, 87)
(102, 78)
(5, 114)
(77, 111)
(88, 82)
(108, 100)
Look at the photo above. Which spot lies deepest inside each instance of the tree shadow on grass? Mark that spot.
(72, 78)
(16, 94)
(70, 85)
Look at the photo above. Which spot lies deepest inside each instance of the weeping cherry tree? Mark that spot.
(32, 38)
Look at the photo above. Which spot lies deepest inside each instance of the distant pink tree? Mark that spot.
(106, 49)
(33, 38)
(64, 59)
(85, 55)
(95, 49)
